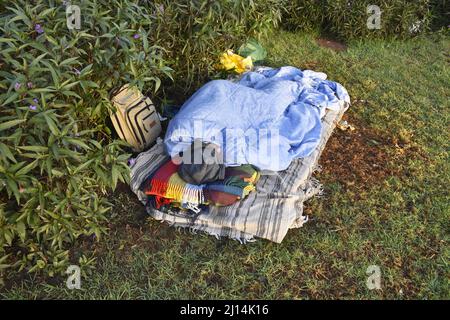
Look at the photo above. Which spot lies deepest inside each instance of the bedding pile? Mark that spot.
(263, 135)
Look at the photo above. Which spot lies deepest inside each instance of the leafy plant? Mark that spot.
(347, 19)
(440, 10)
(195, 33)
(307, 15)
(399, 18)
(57, 159)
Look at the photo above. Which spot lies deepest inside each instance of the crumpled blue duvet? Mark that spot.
(267, 118)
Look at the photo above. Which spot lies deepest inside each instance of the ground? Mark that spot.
(386, 199)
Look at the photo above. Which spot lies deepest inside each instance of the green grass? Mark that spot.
(399, 222)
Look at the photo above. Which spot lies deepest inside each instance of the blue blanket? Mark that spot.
(267, 118)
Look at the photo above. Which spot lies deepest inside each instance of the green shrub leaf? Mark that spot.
(10, 124)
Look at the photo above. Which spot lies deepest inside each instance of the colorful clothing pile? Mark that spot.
(166, 187)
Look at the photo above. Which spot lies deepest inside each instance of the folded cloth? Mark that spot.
(167, 187)
(238, 183)
(201, 162)
(149, 162)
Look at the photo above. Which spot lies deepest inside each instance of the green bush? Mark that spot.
(347, 19)
(399, 18)
(306, 15)
(440, 11)
(58, 160)
(194, 33)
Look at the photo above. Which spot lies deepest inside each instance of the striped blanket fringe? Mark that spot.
(185, 194)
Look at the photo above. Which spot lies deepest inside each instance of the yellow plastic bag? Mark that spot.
(231, 61)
